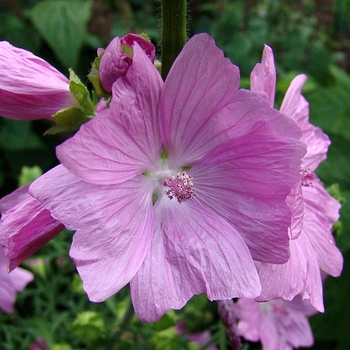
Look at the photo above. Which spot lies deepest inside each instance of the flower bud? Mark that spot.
(117, 58)
(145, 44)
(30, 88)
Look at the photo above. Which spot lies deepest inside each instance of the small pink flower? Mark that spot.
(177, 185)
(25, 226)
(200, 339)
(116, 61)
(30, 88)
(11, 283)
(40, 344)
(314, 210)
(277, 324)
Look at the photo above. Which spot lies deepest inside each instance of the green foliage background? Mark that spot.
(309, 36)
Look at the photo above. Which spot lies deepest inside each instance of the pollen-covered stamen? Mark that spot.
(180, 186)
(307, 176)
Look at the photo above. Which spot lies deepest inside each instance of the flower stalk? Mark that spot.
(174, 34)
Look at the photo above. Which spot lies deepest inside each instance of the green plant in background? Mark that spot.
(47, 308)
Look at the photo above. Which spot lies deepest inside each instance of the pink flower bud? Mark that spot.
(145, 45)
(117, 58)
(30, 88)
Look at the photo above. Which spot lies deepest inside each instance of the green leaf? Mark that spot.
(336, 169)
(67, 120)
(17, 136)
(166, 339)
(63, 25)
(94, 78)
(343, 239)
(81, 94)
(18, 32)
(330, 106)
(29, 174)
(333, 325)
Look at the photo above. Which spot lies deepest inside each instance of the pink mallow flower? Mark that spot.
(30, 88)
(199, 339)
(11, 283)
(177, 185)
(25, 226)
(117, 58)
(277, 324)
(40, 344)
(312, 244)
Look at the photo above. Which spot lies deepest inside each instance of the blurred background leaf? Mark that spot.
(63, 24)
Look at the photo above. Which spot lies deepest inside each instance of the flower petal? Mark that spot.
(263, 76)
(124, 140)
(13, 198)
(30, 88)
(295, 106)
(198, 87)
(246, 181)
(317, 146)
(321, 211)
(10, 283)
(300, 275)
(202, 107)
(193, 251)
(276, 323)
(295, 329)
(114, 225)
(290, 103)
(295, 202)
(26, 228)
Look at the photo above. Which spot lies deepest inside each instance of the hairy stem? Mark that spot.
(173, 31)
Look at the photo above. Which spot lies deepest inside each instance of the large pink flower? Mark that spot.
(11, 283)
(277, 324)
(314, 210)
(30, 88)
(176, 185)
(25, 226)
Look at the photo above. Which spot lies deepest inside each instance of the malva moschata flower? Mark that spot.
(177, 186)
(312, 244)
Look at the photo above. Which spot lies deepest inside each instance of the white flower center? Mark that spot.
(180, 186)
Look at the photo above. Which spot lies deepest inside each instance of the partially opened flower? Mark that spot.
(25, 226)
(30, 88)
(177, 185)
(277, 324)
(314, 210)
(11, 283)
(117, 58)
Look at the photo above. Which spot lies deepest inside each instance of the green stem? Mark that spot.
(173, 32)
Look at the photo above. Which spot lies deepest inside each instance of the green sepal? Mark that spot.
(81, 94)
(145, 36)
(94, 78)
(68, 120)
(127, 50)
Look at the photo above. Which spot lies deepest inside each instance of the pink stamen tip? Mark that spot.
(307, 176)
(180, 186)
